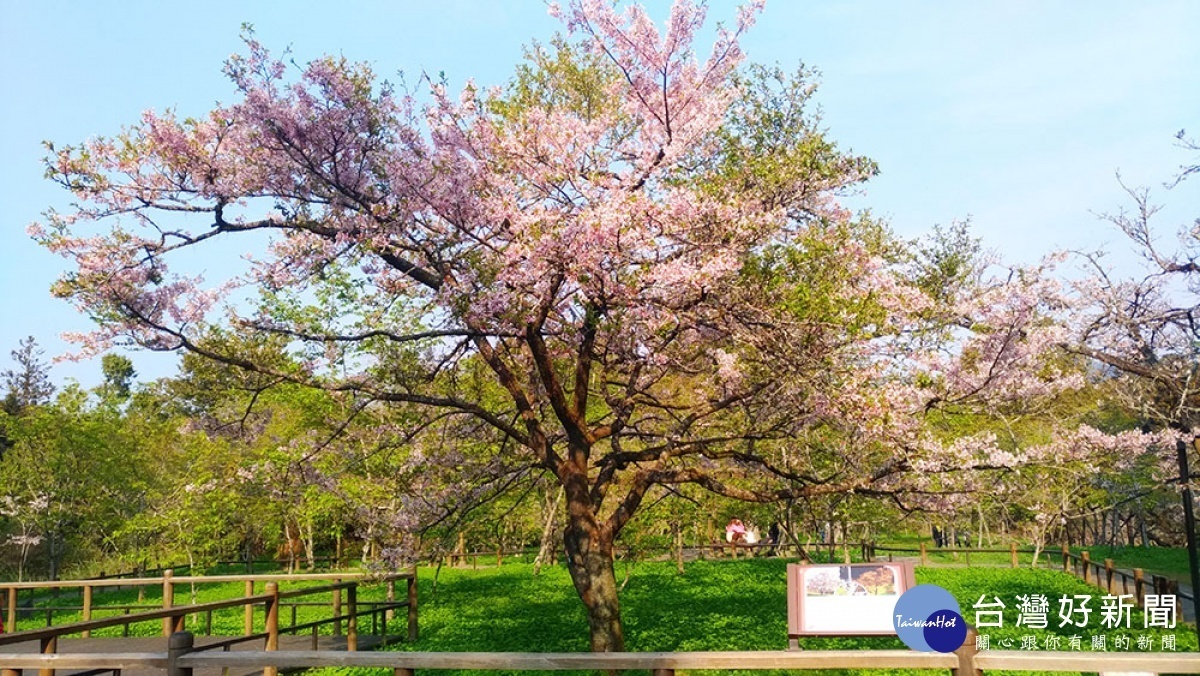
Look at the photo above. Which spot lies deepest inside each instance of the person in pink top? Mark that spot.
(735, 532)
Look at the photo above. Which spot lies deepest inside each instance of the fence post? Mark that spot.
(924, 555)
(1139, 587)
(662, 672)
(87, 608)
(1171, 587)
(1066, 552)
(352, 618)
(272, 622)
(179, 644)
(1158, 584)
(11, 625)
(1087, 566)
(49, 647)
(1108, 575)
(412, 605)
(248, 622)
(168, 600)
(1012, 550)
(966, 656)
(337, 609)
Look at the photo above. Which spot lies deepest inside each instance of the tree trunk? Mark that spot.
(54, 550)
(308, 539)
(289, 539)
(546, 551)
(589, 550)
(677, 531)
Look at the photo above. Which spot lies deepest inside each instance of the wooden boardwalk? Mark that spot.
(158, 644)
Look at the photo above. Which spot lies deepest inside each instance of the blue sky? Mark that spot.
(1015, 114)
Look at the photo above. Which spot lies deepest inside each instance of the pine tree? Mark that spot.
(29, 383)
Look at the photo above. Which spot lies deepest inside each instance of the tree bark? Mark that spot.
(589, 549)
(308, 536)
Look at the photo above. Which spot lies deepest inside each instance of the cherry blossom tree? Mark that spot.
(628, 270)
(1146, 326)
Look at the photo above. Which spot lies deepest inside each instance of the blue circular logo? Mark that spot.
(927, 618)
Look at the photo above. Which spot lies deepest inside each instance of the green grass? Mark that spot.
(1168, 561)
(716, 605)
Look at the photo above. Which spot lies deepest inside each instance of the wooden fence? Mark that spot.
(922, 550)
(272, 601)
(326, 562)
(181, 659)
(715, 549)
(1105, 575)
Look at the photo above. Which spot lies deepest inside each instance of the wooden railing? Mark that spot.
(174, 617)
(181, 659)
(922, 550)
(716, 549)
(1106, 575)
(168, 583)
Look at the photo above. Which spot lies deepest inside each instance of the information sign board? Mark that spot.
(845, 600)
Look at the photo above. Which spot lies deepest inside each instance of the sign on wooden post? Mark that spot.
(845, 600)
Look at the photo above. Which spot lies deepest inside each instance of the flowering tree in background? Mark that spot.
(26, 515)
(1147, 328)
(628, 270)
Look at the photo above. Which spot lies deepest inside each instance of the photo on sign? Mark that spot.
(848, 600)
(851, 581)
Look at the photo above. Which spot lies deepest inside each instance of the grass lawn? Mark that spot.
(1169, 561)
(717, 605)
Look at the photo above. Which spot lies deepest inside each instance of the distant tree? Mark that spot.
(28, 384)
(1187, 169)
(1146, 327)
(118, 376)
(76, 472)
